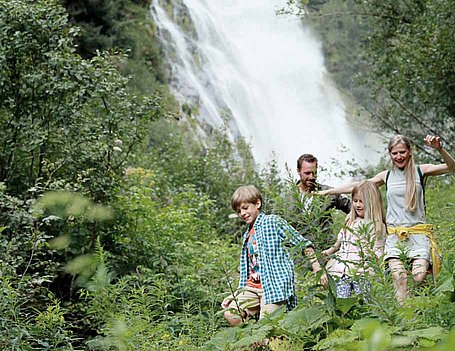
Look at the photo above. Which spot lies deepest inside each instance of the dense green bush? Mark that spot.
(148, 270)
(61, 116)
(125, 25)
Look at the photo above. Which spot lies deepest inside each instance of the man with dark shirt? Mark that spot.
(311, 213)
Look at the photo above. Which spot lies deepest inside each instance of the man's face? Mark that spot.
(307, 173)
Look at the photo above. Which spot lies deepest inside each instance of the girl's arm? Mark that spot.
(378, 179)
(332, 250)
(311, 255)
(379, 242)
(309, 252)
(434, 170)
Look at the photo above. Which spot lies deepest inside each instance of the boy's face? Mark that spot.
(248, 211)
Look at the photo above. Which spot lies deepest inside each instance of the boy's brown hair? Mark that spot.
(247, 193)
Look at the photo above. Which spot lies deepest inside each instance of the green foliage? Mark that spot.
(215, 169)
(126, 25)
(395, 58)
(62, 117)
(178, 278)
(22, 327)
(411, 50)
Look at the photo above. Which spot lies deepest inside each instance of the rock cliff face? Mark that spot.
(185, 70)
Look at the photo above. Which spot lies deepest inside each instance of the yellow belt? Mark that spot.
(425, 229)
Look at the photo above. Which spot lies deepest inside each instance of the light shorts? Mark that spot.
(251, 301)
(416, 246)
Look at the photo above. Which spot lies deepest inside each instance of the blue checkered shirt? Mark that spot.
(274, 237)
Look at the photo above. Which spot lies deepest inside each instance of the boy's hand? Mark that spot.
(324, 280)
(316, 267)
(227, 301)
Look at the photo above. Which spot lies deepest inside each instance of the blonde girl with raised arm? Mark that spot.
(362, 238)
(409, 236)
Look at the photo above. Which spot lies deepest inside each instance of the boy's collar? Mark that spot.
(258, 218)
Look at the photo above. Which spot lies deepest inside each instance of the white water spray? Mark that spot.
(267, 72)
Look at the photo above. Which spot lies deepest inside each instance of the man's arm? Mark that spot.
(337, 201)
(343, 203)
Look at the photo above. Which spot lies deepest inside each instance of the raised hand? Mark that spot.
(433, 141)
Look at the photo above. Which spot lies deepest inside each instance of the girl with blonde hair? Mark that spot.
(409, 237)
(357, 243)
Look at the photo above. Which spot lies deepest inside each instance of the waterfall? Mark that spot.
(236, 60)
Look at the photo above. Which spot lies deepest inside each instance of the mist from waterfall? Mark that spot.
(237, 59)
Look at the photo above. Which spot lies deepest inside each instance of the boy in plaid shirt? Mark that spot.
(266, 265)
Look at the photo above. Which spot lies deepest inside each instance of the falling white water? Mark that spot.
(237, 57)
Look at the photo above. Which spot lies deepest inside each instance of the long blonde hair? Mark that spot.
(372, 201)
(409, 170)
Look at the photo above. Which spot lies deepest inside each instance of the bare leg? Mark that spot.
(269, 308)
(400, 279)
(244, 304)
(234, 319)
(419, 270)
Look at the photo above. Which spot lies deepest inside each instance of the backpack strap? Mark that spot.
(421, 178)
(386, 179)
(419, 172)
(422, 183)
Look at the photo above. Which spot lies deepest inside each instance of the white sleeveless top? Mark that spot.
(397, 213)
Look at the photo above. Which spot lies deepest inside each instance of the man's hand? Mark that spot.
(316, 267)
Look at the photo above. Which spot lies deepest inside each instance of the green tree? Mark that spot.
(411, 50)
(125, 25)
(62, 117)
(395, 58)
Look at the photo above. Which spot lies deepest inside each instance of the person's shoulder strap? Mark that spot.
(421, 177)
(422, 183)
(386, 179)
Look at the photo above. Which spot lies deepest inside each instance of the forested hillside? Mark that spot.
(114, 219)
(394, 58)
